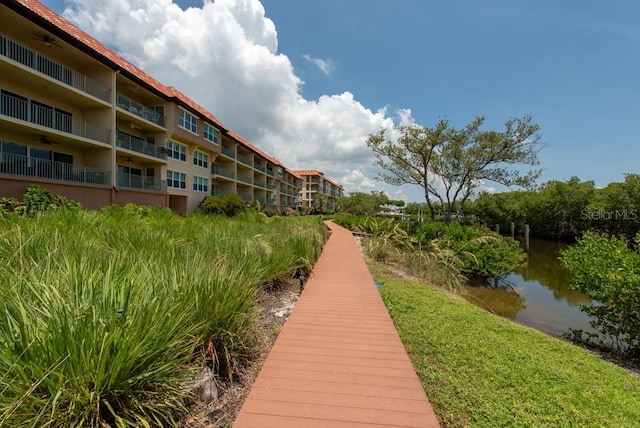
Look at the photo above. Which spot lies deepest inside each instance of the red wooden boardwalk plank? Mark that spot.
(338, 361)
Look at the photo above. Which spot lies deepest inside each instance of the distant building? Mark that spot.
(317, 190)
(81, 121)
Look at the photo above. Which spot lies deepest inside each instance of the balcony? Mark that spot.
(42, 168)
(139, 110)
(259, 183)
(224, 172)
(259, 167)
(137, 144)
(228, 152)
(18, 107)
(28, 57)
(245, 160)
(270, 171)
(245, 179)
(139, 182)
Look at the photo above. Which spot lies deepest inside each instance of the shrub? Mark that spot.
(270, 212)
(457, 250)
(8, 205)
(37, 200)
(253, 206)
(228, 205)
(290, 212)
(484, 253)
(608, 271)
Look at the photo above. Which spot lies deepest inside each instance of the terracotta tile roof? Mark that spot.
(305, 172)
(335, 183)
(250, 146)
(258, 151)
(201, 111)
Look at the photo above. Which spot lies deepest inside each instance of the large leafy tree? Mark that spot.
(450, 163)
(360, 203)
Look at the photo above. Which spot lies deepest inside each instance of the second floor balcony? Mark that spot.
(21, 108)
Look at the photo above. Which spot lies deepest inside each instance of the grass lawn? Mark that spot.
(480, 370)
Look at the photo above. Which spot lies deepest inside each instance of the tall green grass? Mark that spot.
(102, 313)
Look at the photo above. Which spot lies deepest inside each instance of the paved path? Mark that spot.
(338, 361)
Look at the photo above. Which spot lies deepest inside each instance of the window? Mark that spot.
(201, 159)
(200, 184)
(187, 121)
(14, 149)
(211, 134)
(176, 180)
(176, 150)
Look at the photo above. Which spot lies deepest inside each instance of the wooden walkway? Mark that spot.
(338, 361)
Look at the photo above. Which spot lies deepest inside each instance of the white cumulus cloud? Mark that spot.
(224, 55)
(325, 65)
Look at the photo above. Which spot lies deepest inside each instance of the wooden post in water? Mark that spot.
(513, 230)
(526, 238)
(497, 228)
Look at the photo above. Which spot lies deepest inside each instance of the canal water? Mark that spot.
(536, 294)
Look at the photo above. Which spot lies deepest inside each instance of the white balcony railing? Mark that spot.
(28, 57)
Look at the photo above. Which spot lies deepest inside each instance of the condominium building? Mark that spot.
(81, 121)
(317, 190)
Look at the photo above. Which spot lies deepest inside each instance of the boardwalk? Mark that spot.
(338, 361)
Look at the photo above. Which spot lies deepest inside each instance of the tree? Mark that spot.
(608, 271)
(360, 203)
(450, 164)
(615, 209)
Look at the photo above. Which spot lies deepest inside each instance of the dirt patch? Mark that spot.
(275, 305)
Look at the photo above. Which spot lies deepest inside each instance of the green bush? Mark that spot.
(454, 248)
(228, 205)
(608, 271)
(37, 200)
(484, 253)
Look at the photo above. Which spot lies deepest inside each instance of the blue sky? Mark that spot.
(573, 64)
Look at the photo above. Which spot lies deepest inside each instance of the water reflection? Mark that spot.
(536, 294)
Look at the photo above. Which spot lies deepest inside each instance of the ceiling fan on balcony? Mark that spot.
(47, 40)
(43, 139)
